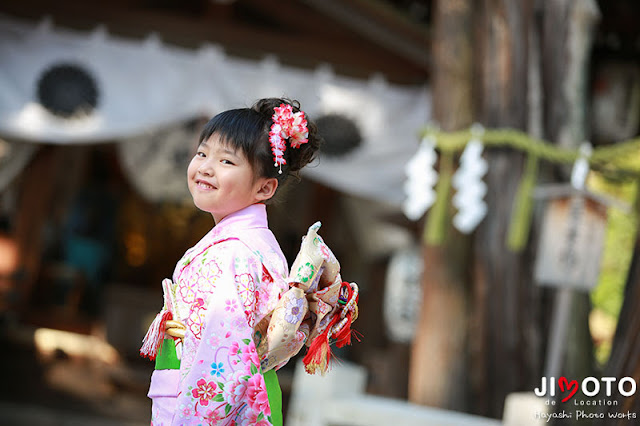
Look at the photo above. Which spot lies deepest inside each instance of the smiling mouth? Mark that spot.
(204, 185)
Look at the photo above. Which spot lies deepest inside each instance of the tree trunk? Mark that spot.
(507, 333)
(437, 368)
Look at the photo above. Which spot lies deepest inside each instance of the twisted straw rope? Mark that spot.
(607, 159)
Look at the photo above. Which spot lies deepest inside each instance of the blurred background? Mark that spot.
(101, 105)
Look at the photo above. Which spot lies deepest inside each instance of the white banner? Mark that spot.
(145, 86)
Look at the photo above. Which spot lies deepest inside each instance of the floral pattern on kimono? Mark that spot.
(226, 283)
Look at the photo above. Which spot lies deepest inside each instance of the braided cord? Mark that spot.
(620, 161)
(612, 160)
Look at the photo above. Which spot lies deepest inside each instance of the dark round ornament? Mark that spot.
(341, 134)
(67, 89)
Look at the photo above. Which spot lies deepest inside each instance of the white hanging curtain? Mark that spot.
(142, 88)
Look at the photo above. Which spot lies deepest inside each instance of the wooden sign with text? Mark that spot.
(571, 243)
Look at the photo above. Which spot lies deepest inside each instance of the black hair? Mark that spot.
(247, 130)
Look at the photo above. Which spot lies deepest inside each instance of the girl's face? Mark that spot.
(221, 181)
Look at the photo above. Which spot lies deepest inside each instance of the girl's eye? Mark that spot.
(227, 162)
(200, 154)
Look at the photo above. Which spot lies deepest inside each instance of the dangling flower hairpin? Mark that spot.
(286, 125)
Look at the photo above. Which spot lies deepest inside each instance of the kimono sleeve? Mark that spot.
(221, 379)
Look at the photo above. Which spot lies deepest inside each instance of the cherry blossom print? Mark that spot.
(196, 316)
(213, 340)
(208, 277)
(214, 269)
(213, 416)
(257, 394)
(204, 284)
(250, 318)
(250, 355)
(255, 419)
(231, 305)
(185, 411)
(254, 264)
(234, 278)
(234, 349)
(235, 389)
(240, 323)
(205, 391)
(246, 289)
(263, 298)
(294, 310)
(187, 290)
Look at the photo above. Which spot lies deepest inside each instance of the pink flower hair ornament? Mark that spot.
(286, 125)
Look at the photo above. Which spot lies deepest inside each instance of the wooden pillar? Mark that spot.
(505, 334)
(507, 337)
(37, 193)
(437, 368)
(567, 35)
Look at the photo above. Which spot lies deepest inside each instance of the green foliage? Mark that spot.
(622, 228)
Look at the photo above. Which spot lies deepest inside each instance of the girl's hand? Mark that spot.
(175, 329)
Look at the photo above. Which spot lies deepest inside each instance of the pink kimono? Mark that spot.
(223, 286)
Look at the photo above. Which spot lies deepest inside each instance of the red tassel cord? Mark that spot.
(319, 353)
(155, 335)
(342, 331)
(339, 328)
(153, 339)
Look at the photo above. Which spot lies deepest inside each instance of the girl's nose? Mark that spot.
(206, 168)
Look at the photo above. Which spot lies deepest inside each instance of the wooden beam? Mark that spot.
(348, 55)
(294, 17)
(378, 24)
(385, 14)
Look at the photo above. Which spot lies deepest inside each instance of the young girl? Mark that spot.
(230, 281)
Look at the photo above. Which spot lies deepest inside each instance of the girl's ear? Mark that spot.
(267, 189)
